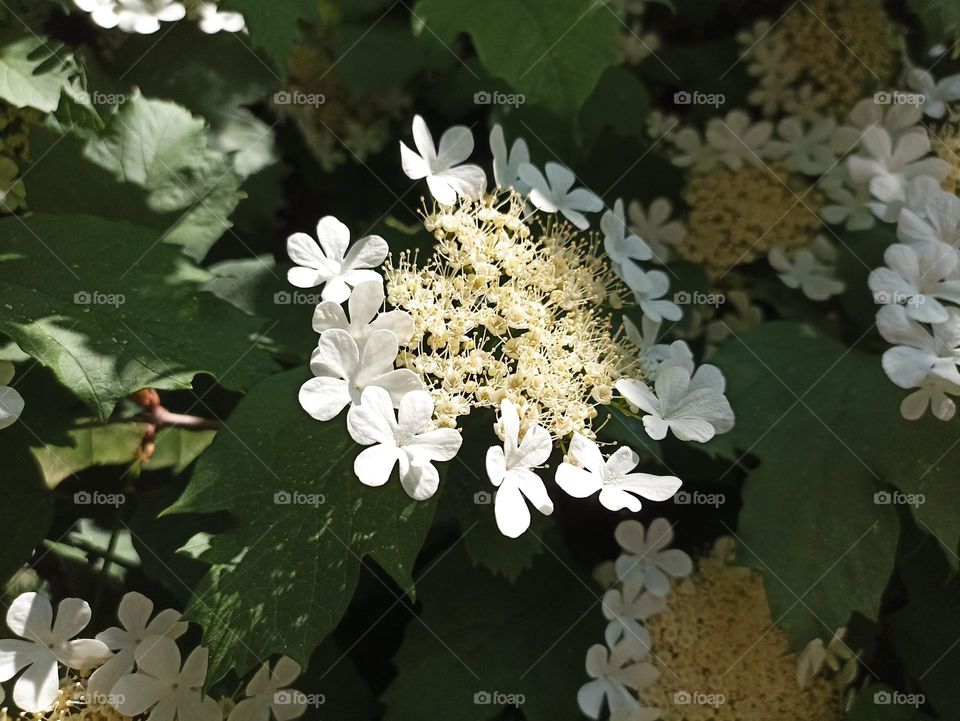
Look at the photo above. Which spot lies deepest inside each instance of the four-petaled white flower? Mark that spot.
(343, 372)
(895, 119)
(648, 293)
(268, 691)
(442, 168)
(918, 277)
(618, 486)
(851, 201)
(553, 193)
(11, 402)
(613, 673)
(692, 406)
(506, 165)
(648, 561)
(161, 684)
(407, 437)
(132, 16)
(623, 248)
(46, 642)
(212, 19)
(656, 228)
(919, 352)
(935, 94)
(808, 150)
(137, 627)
(809, 269)
(365, 316)
(932, 393)
(330, 263)
(649, 352)
(738, 139)
(625, 608)
(510, 469)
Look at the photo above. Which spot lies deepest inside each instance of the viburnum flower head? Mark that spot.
(510, 469)
(11, 402)
(442, 168)
(330, 264)
(364, 305)
(342, 372)
(44, 643)
(268, 692)
(647, 560)
(613, 477)
(407, 437)
(555, 193)
(162, 685)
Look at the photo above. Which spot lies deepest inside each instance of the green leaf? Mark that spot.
(118, 311)
(620, 89)
(553, 51)
(23, 82)
(283, 576)
(274, 26)
(940, 18)
(482, 635)
(360, 52)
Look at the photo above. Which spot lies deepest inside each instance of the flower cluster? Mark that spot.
(126, 673)
(145, 16)
(514, 311)
(705, 649)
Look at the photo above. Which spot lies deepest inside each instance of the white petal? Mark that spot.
(510, 509)
(333, 236)
(375, 464)
(368, 252)
(73, 615)
(324, 398)
(456, 145)
(373, 420)
(11, 406)
(420, 480)
(365, 302)
(30, 616)
(37, 687)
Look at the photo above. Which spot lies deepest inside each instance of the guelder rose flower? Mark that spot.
(807, 150)
(268, 692)
(648, 292)
(46, 642)
(212, 19)
(932, 215)
(160, 684)
(132, 16)
(738, 139)
(936, 94)
(11, 402)
(692, 406)
(506, 166)
(919, 352)
(625, 608)
(918, 278)
(509, 468)
(655, 227)
(330, 263)
(343, 372)
(611, 476)
(553, 193)
(407, 438)
(805, 270)
(137, 626)
(933, 394)
(614, 672)
(647, 561)
(623, 248)
(442, 168)
(365, 316)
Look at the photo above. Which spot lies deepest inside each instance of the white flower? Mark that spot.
(807, 150)
(46, 642)
(622, 248)
(647, 558)
(935, 94)
(343, 372)
(330, 263)
(809, 269)
(365, 316)
(268, 692)
(612, 477)
(895, 119)
(134, 615)
(918, 278)
(933, 394)
(510, 469)
(624, 608)
(931, 214)
(553, 193)
(407, 437)
(162, 685)
(650, 353)
(648, 292)
(918, 352)
(738, 139)
(442, 168)
(695, 154)
(132, 16)
(655, 227)
(214, 20)
(614, 672)
(890, 166)
(693, 407)
(11, 402)
(851, 201)
(506, 165)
